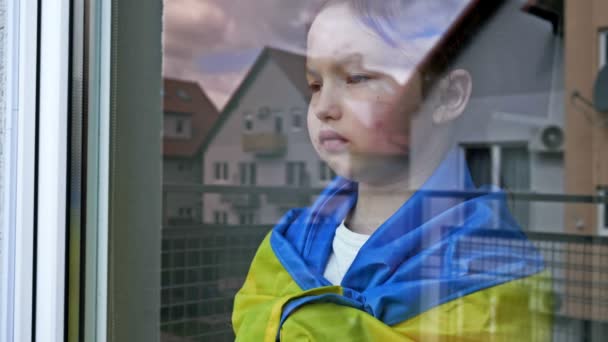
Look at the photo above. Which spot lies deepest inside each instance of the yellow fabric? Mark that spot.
(515, 311)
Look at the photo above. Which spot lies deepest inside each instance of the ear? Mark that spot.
(454, 92)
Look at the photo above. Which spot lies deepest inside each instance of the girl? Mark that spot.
(370, 260)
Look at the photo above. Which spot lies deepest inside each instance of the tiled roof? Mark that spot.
(181, 96)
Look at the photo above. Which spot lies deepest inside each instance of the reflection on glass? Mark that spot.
(399, 178)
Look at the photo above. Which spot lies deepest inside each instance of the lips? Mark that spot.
(332, 142)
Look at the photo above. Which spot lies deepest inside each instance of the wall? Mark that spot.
(586, 140)
(516, 62)
(269, 88)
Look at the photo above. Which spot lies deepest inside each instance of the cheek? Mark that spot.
(313, 126)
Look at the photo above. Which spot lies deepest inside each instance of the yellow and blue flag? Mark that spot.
(441, 268)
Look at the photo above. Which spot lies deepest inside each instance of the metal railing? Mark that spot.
(204, 265)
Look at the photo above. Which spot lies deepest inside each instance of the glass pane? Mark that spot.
(479, 160)
(4, 188)
(418, 156)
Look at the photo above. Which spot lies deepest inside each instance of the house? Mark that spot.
(188, 117)
(513, 129)
(261, 140)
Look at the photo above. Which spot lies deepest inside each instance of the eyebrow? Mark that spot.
(353, 58)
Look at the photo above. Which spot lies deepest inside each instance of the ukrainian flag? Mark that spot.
(439, 269)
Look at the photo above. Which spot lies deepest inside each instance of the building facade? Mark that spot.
(262, 141)
(586, 165)
(187, 120)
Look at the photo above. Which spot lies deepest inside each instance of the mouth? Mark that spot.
(332, 142)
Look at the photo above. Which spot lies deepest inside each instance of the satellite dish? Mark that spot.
(600, 90)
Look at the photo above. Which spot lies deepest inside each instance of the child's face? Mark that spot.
(364, 97)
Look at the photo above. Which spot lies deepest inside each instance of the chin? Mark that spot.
(372, 171)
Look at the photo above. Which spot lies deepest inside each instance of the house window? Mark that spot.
(220, 217)
(183, 95)
(296, 118)
(248, 173)
(295, 173)
(220, 171)
(603, 47)
(325, 172)
(278, 124)
(217, 171)
(225, 173)
(246, 218)
(248, 121)
(179, 126)
(506, 166)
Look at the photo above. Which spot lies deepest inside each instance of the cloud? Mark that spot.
(214, 42)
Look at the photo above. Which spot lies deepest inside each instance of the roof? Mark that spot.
(186, 97)
(550, 10)
(293, 67)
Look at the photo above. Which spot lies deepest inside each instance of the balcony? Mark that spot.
(264, 144)
(241, 200)
(289, 200)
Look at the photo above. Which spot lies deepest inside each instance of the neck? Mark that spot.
(375, 204)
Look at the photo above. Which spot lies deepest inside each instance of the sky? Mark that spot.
(215, 42)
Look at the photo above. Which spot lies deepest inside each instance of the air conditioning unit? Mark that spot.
(549, 138)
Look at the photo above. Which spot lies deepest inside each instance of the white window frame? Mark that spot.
(52, 169)
(297, 115)
(17, 220)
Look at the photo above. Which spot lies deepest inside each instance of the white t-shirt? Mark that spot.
(345, 247)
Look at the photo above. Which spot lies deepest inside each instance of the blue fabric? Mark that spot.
(428, 253)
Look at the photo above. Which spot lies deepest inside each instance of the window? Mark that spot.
(479, 161)
(217, 168)
(179, 126)
(325, 172)
(505, 166)
(220, 171)
(190, 295)
(248, 121)
(183, 95)
(603, 47)
(246, 218)
(296, 118)
(253, 174)
(220, 217)
(248, 173)
(295, 173)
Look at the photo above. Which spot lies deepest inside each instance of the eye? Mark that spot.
(356, 79)
(315, 87)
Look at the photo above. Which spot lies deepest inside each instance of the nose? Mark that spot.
(327, 106)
